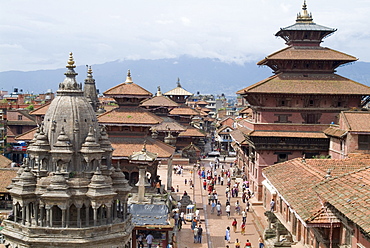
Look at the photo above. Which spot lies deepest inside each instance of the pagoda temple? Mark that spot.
(291, 109)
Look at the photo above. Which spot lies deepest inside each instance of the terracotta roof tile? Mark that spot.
(192, 132)
(131, 89)
(129, 116)
(350, 194)
(295, 179)
(357, 121)
(124, 147)
(312, 84)
(183, 111)
(307, 53)
(168, 124)
(27, 136)
(4, 162)
(158, 101)
(41, 110)
(334, 131)
(237, 135)
(6, 176)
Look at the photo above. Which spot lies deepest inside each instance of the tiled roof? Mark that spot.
(202, 102)
(27, 136)
(183, 111)
(41, 110)
(6, 176)
(132, 115)
(159, 101)
(178, 91)
(168, 124)
(295, 179)
(357, 121)
(350, 194)
(246, 110)
(290, 134)
(308, 26)
(192, 132)
(4, 162)
(334, 131)
(237, 135)
(312, 84)
(129, 89)
(307, 53)
(124, 147)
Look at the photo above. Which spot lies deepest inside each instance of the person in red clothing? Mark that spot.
(234, 225)
(248, 244)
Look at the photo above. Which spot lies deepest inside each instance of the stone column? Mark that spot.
(141, 184)
(51, 217)
(28, 211)
(48, 216)
(67, 217)
(42, 216)
(63, 218)
(23, 214)
(36, 210)
(109, 214)
(95, 216)
(169, 174)
(15, 209)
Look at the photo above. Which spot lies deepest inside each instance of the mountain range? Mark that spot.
(197, 75)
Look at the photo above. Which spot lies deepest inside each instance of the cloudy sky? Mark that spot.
(39, 34)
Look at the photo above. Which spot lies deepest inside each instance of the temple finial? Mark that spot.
(89, 72)
(128, 78)
(159, 93)
(71, 62)
(144, 147)
(304, 16)
(178, 82)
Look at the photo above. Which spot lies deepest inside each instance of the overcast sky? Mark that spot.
(39, 34)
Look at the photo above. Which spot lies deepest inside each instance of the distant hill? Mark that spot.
(207, 76)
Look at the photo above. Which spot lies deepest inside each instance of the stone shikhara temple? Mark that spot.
(67, 193)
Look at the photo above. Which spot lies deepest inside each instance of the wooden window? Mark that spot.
(19, 117)
(282, 118)
(364, 142)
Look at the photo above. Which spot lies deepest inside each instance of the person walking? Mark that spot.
(140, 241)
(227, 209)
(242, 227)
(200, 232)
(248, 244)
(227, 234)
(213, 205)
(194, 223)
(244, 216)
(237, 244)
(149, 240)
(260, 242)
(195, 233)
(234, 224)
(218, 208)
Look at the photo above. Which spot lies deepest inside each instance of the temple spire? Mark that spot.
(159, 93)
(178, 82)
(128, 78)
(304, 16)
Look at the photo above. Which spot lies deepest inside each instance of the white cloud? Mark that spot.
(99, 31)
